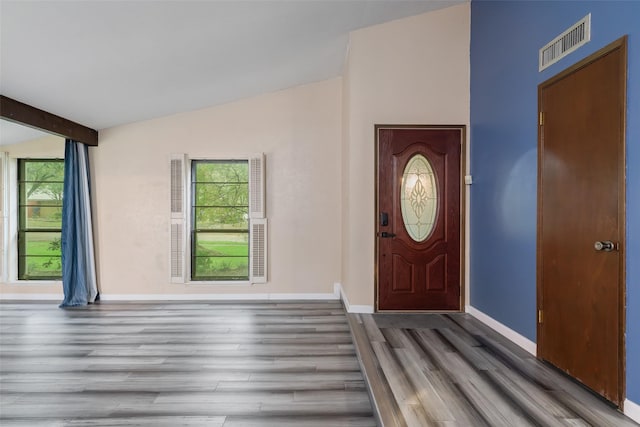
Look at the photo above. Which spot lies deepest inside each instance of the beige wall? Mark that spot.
(319, 146)
(48, 147)
(299, 131)
(409, 71)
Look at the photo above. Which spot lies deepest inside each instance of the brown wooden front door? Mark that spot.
(581, 221)
(418, 217)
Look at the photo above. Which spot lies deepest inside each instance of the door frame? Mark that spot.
(463, 211)
(621, 44)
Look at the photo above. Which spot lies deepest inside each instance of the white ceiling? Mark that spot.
(106, 63)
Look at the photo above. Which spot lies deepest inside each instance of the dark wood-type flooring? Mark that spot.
(452, 370)
(176, 364)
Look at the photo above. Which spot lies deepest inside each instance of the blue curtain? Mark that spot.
(78, 260)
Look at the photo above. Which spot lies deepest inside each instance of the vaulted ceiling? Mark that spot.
(106, 63)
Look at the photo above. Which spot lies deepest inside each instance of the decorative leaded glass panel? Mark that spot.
(418, 198)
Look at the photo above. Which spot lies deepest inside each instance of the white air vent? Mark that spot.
(177, 252)
(177, 185)
(256, 182)
(570, 40)
(179, 165)
(258, 244)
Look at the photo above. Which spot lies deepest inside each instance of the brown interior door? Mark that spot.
(419, 218)
(581, 221)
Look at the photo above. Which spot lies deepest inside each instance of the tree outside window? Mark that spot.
(40, 193)
(220, 220)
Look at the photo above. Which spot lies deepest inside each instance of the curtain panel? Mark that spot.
(78, 259)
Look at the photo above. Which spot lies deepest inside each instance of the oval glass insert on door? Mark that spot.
(418, 198)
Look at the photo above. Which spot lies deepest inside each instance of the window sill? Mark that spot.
(233, 283)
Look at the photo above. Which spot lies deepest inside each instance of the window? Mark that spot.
(220, 220)
(224, 236)
(40, 188)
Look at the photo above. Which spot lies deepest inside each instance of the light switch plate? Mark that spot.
(468, 180)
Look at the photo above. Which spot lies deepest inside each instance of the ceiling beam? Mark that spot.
(16, 111)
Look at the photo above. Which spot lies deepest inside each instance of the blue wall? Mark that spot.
(505, 38)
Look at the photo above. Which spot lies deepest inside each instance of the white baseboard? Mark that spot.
(337, 290)
(216, 297)
(632, 410)
(509, 333)
(32, 297)
(351, 308)
(368, 309)
(178, 297)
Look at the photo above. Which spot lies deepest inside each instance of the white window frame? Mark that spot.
(9, 235)
(4, 215)
(180, 249)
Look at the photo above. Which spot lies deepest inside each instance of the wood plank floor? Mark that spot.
(175, 364)
(232, 364)
(451, 370)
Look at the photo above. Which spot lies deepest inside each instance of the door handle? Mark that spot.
(386, 235)
(604, 246)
